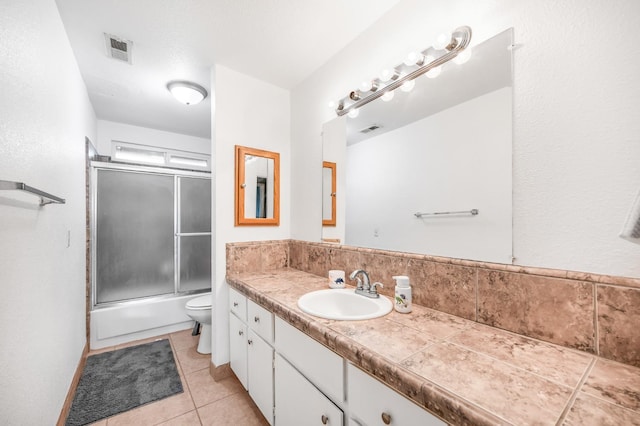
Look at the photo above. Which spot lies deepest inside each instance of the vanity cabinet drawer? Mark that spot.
(298, 402)
(260, 320)
(373, 403)
(238, 304)
(321, 366)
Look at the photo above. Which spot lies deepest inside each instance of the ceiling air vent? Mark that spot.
(118, 48)
(371, 128)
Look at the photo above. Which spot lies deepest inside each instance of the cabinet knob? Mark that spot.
(235, 304)
(256, 319)
(386, 418)
(250, 341)
(324, 419)
(240, 333)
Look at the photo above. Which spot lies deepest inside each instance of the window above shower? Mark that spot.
(126, 152)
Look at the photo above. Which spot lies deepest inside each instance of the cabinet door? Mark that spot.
(260, 359)
(260, 320)
(238, 348)
(373, 403)
(298, 402)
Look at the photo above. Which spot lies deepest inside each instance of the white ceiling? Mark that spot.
(278, 41)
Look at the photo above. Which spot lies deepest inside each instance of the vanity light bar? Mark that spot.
(460, 39)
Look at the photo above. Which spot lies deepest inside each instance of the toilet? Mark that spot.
(199, 309)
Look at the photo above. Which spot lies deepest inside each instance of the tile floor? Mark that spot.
(203, 402)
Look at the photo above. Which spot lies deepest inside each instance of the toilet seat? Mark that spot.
(200, 303)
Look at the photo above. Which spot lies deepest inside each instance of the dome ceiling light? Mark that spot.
(187, 92)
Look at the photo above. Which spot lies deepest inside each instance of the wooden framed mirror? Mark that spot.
(257, 194)
(328, 193)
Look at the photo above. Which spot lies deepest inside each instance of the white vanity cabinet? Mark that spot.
(298, 402)
(372, 403)
(291, 376)
(251, 350)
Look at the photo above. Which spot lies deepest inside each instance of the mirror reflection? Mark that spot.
(443, 147)
(257, 180)
(328, 193)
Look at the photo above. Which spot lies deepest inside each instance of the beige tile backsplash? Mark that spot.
(598, 314)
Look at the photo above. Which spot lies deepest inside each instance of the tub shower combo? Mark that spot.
(150, 249)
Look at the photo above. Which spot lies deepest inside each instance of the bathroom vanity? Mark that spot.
(309, 381)
(422, 368)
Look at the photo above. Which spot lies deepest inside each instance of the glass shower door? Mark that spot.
(134, 235)
(194, 234)
(152, 233)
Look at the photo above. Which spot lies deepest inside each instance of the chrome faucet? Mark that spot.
(364, 286)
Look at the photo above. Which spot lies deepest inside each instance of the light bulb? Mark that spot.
(408, 85)
(387, 74)
(365, 86)
(331, 104)
(414, 58)
(442, 41)
(353, 113)
(387, 96)
(463, 57)
(434, 72)
(428, 59)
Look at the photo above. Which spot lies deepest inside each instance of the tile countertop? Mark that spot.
(465, 372)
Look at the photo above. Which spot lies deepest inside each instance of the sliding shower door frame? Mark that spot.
(96, 166)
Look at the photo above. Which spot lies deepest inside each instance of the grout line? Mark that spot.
(575, 393)
(517, 367)
(477, 291)
(596, 331)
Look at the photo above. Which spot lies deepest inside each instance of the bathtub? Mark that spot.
(115, 325)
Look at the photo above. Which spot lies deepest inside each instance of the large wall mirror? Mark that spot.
(418, 166)
(257, 187)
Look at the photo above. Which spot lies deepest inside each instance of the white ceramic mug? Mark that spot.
(336, 278)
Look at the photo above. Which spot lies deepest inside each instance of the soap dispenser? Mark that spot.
(403, 294)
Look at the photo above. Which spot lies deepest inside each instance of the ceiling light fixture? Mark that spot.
(187, 92)
(429, 61)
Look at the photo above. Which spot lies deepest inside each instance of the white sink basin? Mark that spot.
(343, 304)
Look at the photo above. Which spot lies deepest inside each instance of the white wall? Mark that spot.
(436, 164)
(110, 130)
(576, 132)
(255, 114)
(46, 115)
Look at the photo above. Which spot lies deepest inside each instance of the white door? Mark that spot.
(260, 361)
(238, 348)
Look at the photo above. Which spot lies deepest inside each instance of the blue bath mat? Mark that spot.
(117, 381)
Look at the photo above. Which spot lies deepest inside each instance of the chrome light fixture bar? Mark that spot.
(460, 39)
